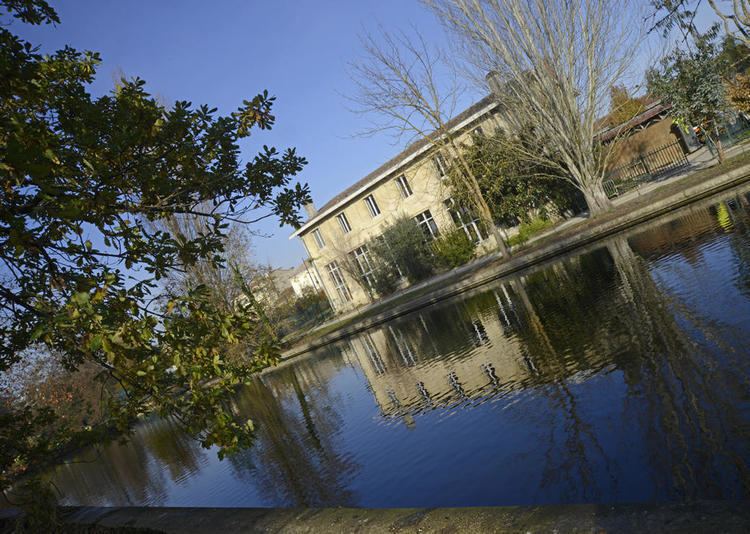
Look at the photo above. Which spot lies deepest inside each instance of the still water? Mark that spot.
(616, 374)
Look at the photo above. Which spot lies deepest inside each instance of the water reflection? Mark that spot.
(295, 461)
(615, 374)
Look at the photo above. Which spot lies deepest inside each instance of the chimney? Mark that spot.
(310, 209)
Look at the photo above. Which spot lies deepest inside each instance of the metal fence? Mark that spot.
(732, 132)
(648, 167)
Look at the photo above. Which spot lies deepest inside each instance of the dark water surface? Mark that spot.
(617, 374)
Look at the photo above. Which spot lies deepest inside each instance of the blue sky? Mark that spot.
(220, 52)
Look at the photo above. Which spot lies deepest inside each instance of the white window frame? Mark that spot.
(440, 165)
(319, 241)
(427, 224)
(372, 352)
(372, 205)
(462, 219)
(344, 223)
(361, 256)
(334, 271)
(403, 186)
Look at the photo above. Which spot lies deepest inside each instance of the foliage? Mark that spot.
(312, 304)
(290, 314)
(623, 107)
(223, 281)
(738, 92)
(83, 180)
(453, 249)
(691, 81)
(735, 54)
(41, 515)
(402, 247)
(529, 229)
(680, 14)
(515, 187)
(74, 397)
(385, 277)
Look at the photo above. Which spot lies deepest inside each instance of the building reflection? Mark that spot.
(621, 345)
(511, 335)
(590, 315)
(406, 371)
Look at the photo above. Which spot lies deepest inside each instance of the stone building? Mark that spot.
(305, 278)
(412, 184)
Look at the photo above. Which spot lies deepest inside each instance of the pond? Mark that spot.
(619, 373)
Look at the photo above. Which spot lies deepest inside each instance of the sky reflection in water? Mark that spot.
(618, 374)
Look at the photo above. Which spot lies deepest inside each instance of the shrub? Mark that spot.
(403, 246)
(386, 279)
(312, 304)
(453, 249)
(526, 230)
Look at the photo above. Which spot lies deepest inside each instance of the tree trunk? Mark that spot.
(719, 147)
(596, 199)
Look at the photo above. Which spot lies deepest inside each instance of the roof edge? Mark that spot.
(387, 172)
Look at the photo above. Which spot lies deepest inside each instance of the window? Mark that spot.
(373, 354)
(427, 224)
(479, 334)
(464, 219)
(403, 186)
(403, 346)
(344, 223)
(440, 165)
(318, 238)
(372, 205)
(338, 281)
(361, 257)
(478, 131)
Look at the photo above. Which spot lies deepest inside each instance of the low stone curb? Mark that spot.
(707, 516)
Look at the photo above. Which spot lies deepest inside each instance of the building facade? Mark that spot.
(412, 184)
(304, 279)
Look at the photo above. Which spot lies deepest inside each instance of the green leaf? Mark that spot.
(80, 297)
(51, 156)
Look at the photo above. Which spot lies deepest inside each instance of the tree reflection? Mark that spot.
(572, 443)
(685, 409)
(611, 347)
(132, 473)
(295, 460)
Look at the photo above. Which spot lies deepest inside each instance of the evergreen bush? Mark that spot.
(454, 249)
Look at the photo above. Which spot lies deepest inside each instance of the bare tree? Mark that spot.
(225, 283)
(552, 63)
(404, 86)
(735, 20)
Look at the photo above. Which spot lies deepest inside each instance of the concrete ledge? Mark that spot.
(481, 273)
(707, 516)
